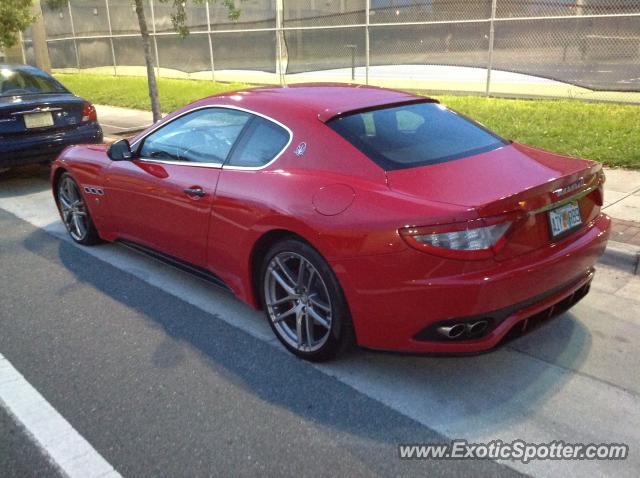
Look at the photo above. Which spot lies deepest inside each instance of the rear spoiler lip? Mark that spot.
(594, 184)
(328, 115)
(595, 181)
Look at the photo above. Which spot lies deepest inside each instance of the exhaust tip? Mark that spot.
(477, 328)
(452, 331)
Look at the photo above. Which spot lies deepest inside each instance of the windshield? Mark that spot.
(414, 135)
(20, 82)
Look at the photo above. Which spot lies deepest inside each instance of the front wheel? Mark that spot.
(74, 212)
(304, 302)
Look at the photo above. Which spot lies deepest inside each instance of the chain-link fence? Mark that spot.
(556, 48)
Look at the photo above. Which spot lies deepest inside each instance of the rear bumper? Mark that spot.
(46, 146)
(395, 298)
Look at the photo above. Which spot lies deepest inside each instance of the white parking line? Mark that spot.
(52, 434)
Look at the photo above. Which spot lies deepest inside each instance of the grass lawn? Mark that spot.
(609, 133)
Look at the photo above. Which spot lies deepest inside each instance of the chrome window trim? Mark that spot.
(135, 144)
(180, 163)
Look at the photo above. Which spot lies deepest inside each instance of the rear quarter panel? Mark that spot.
(288, 196)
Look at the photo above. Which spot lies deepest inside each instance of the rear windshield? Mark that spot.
(414, 135)
(18, 82)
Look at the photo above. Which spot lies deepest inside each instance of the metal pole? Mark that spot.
(113, 50)
(491, 40)
(353, 60)
(279, 38)
(24, 55)
(213, 70)
(155, 42)
(73, 33)
(366, 43)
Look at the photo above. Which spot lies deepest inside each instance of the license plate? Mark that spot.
(564, 219)
(38, 120)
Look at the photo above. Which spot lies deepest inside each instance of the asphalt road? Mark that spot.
(165, 376)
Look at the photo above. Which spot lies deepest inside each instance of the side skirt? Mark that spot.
(197, 271)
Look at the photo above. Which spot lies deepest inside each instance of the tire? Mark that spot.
(307, 313)
(74, 212)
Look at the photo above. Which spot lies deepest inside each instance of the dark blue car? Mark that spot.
(39, 117)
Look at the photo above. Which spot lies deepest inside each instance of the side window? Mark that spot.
(263, 142)
(202, 136)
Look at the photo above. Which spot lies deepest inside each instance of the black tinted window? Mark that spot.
(19, 82)
(414, 135)
(263, 142)
(203, 136)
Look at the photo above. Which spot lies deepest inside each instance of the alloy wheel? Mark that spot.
(297, 301)
(73, 209)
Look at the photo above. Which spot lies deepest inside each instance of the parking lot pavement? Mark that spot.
(164, 375)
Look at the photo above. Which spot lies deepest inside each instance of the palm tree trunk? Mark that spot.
(148, 59)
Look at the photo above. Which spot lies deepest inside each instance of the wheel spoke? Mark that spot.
(284, 300)
(301, 268)
(285, 270)
(79, 227)
(318, 319)
(310, 279)
(299, 328)
(319, 304)
(64, 201)
(309, 326)
(283, 283)
(288, 313)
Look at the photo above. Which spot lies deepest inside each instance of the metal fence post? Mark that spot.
(213, 69)
(279, 39)
(155, 42)
(73, 34)
(491, 39)
(366, 43)
(24, 55)
(113, 50)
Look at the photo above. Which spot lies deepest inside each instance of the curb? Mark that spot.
(622, 256)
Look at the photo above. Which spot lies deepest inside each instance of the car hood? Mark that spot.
(498, 180)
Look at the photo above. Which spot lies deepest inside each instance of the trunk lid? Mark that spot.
(513, 179)
(19, 112)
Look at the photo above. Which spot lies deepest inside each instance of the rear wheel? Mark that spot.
(304, 302)
(74, 212)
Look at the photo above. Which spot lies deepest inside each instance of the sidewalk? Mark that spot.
(622, 189)
(121, 122)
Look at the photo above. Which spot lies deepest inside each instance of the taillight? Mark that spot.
(477, 239)
(89, 112)
(597, 195)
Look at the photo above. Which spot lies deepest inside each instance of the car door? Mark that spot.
(162, 198)
(243, 194)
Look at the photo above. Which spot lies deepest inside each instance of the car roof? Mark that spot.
(9, 66)
(322, 100)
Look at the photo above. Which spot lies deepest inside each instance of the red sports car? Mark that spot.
(349, 214)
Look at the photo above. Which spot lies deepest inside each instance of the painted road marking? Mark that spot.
(506, 395)
(51, 433)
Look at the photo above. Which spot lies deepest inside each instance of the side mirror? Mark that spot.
(120, 150)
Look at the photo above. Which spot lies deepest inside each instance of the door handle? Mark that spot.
(194, 192)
